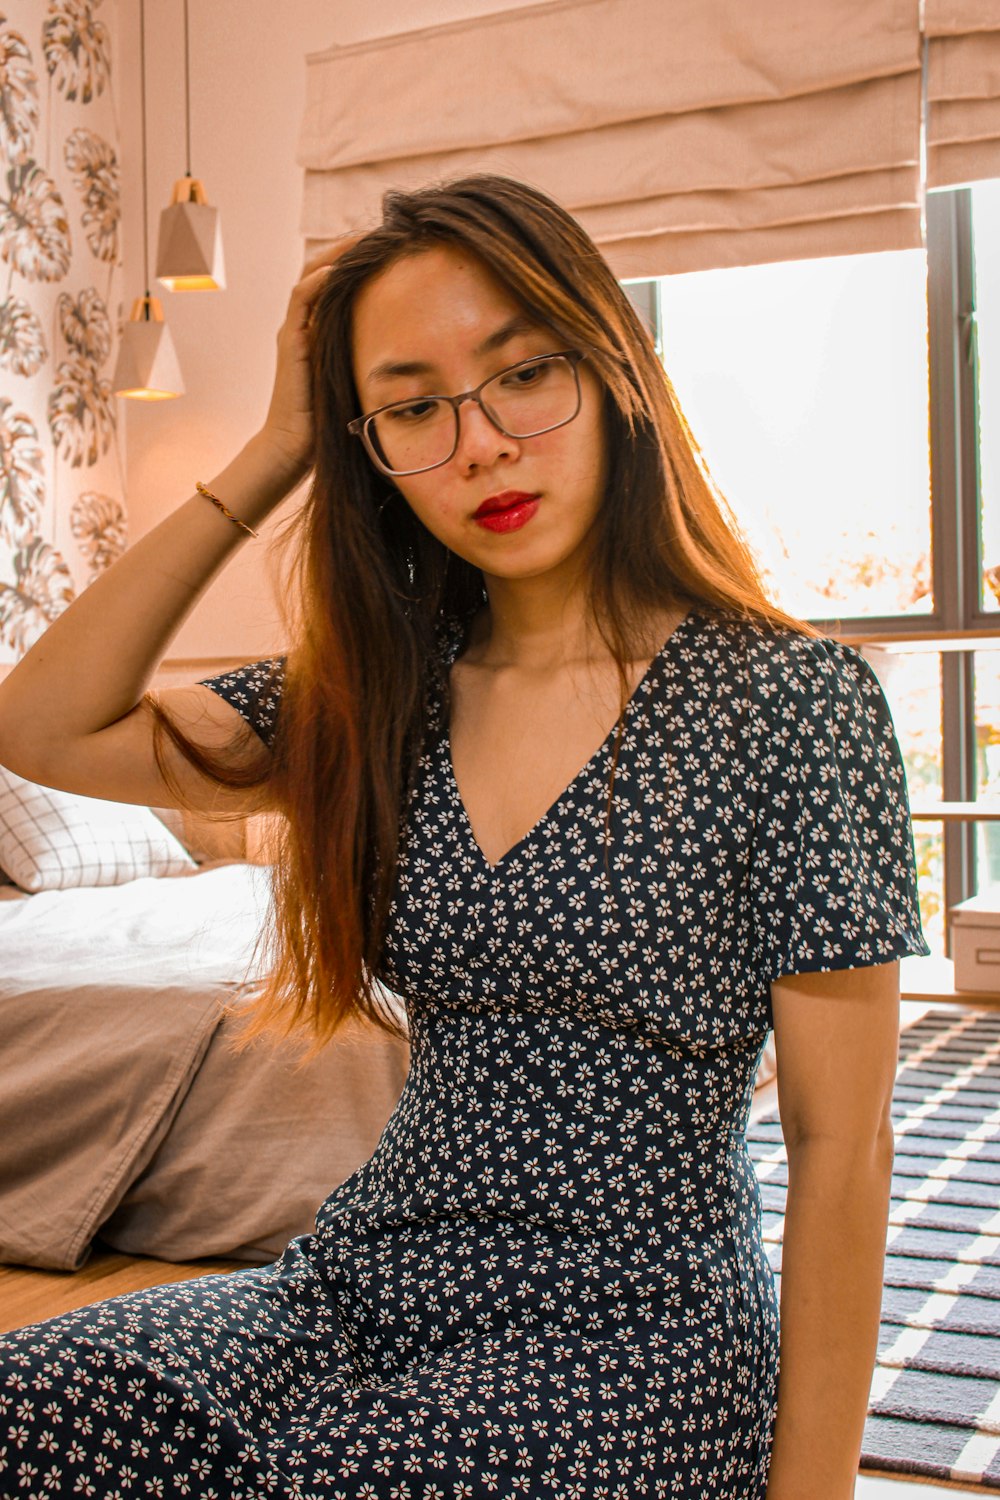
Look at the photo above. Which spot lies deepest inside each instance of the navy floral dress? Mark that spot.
(549, 1279)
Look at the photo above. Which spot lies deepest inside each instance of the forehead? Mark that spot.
(433, 307)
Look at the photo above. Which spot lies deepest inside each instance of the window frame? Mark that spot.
(956, 542)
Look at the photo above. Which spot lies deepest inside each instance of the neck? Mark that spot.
(543, 623)
(536, 622)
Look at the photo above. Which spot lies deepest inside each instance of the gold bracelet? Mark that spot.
(204, 490)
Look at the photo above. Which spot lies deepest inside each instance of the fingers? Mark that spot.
(314, 274)
(325, 258)
(305, 295)
(308, 289)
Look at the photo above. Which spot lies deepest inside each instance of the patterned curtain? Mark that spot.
(62, 515)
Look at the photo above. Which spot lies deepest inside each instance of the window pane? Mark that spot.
(986, 237)
(806, 386)
(911, 681)
(988, 765)
(928, 843)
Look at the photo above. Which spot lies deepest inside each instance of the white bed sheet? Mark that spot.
(192, 929)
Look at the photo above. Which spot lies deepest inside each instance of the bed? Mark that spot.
(127, 1119)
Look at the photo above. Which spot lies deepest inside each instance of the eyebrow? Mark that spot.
(496, 340)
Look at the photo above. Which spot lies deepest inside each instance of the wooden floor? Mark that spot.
(28, 1296)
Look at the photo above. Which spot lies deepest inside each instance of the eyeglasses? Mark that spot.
(529, 398)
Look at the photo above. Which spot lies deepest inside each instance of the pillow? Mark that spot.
(54, 841)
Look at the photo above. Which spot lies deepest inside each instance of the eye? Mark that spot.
(410, 412)
(526, 375)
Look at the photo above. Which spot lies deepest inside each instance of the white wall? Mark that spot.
(247, 98)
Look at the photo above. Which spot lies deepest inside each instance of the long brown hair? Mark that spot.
(373, 585)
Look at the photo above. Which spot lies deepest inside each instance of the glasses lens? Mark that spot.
(413, 435)
(533, 397)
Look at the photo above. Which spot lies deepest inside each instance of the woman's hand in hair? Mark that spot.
(288, 427)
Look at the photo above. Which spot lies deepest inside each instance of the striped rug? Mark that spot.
(935, 1399)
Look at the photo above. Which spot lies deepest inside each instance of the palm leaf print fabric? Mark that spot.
(22, 339)
(94, 166)
(18, 95)
(77, 49)
(549, 1279)
(99, 525)
(60, 254)
(22, 475)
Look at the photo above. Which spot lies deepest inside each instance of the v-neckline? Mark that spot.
(640, 691)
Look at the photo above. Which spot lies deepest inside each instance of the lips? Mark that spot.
(504, 501)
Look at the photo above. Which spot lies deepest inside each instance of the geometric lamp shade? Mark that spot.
(189, 252)
(147, 367)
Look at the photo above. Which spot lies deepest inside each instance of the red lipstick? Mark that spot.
(508, 511)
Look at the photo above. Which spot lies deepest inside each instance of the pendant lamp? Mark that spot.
(189, 252)
(147, 368)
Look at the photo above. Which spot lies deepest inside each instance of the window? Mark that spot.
(911, 681)
(849, 411)
(986, 249)
(987, 743)
(805, 385)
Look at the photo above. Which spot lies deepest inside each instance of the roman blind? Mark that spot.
(963, 90)
(683, 134)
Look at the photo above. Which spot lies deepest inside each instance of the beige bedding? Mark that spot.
(93, 1077)
(123, 1110)
(256, 1146)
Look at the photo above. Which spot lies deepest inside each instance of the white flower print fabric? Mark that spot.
(549, 1279)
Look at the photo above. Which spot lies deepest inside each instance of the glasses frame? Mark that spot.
(359, 427)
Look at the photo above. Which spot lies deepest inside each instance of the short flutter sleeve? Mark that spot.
(833, 875)
(255, 692)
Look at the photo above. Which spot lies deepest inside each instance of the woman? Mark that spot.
(554, 770)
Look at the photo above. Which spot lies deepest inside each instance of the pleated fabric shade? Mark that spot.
(963, 90)
(682, 135)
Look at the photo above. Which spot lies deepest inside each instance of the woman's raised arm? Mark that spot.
(71, 711)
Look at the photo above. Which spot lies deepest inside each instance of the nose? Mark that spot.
(480, 441)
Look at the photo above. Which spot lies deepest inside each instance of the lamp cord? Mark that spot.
(145, 204)
(187, 86)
